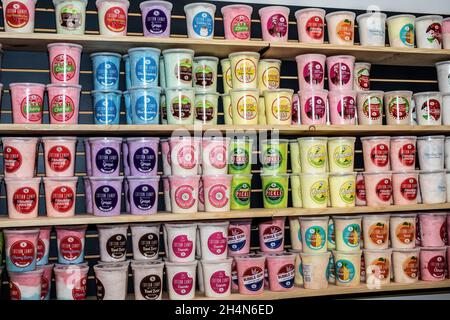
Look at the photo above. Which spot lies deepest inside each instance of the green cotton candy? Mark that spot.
(275, 191)
(241, 191)
(240, 156)
(274, 155)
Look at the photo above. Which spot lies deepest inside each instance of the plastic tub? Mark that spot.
(314, 107)
(244, 70)
(370, 107)
(343, 107)
(429, 32)
(341, 27)
(294, 148)
(275, 23)
(156, 18)
(19, 157)
(281, 271)
(27, 102)
(112, 242)
(406, 265)
(237, 21)
(433, 263)
(105, 156)
(181, 279)
(217, 191)
(401, 30)
(111, 280)
(378, 266)
(21, 249)
(64, 103)
(43, 246)
(376, 153)
(106, 106)
(145, 105)
(372, 29)
(145, 238)
(19, 16)
(278, 104)
(431, 151)
(70, 16)
(342, 190)
(22, 197)
(106, 70)
(239, 232)
(378, 188)
(217, 278)
(205, 73)
(65, 61)
(25, 285)
(240, 197)
(240, 158)
(376, 232)
(113, 17)
(360, 190)
(274, 156)
(71, 244)
(200, 20)
(184, 155)
(148, 279)
(250, 274)
(106, 195)
(215, 151)
(341, 153)
(311, 71)
(180, 60)
(227, 109)
(405, 187)
(429, 108)
(314, 234)
(315, 270)
(144, 67)
(271, 235)
(443, 72)
(46, 280)
(143, 156)
(269, 75)
(311, 25)
(340, 72)
(88, 195)
(184, 193)
(433, 186)
(275, 190)
(143, 193)
(71, 282)
(403, 231)
(314, 190)
(213, 240)
(433, 228)
(59, 155)
(296, 191)
(403, 153)
(60, 196)
(313, 154)
(226, 75)
(347, 268)
(347, 232)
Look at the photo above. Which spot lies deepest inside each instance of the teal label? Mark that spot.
(315, 238)
(345, 271)
(331, 235)
(352, 235)
(407, 34)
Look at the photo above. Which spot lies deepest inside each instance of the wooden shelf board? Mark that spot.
(375, 55)
(238, 214)
(167, 130)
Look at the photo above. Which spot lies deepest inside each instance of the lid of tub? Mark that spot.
(298, 12)
(123, 1)
(403, 137)
(313, 138)
(442, 63)
(206, 58)
(430, 137)
(195, 4)
(428, 93)
(432, 16)
(376, 138)
(178, 50)
(166, 4)
(118, 55)
(247, 53)
(275, 8)
(79, 46)
(236, 6)
(400, 16)
(341, 12)
(374, 14)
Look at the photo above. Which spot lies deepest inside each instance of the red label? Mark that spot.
(315, 27)
(182, 247)
(45, 286)
(116, 19)
(182, 283)
(186, 157)
(218, 157)
(315, 108)
(407, 155)
(62, 108)
(16, 14)
(71, 248)
(347, 108)
(384, 190)
(277, 25)
(79, 293)
(40, 250)
(31, 107)
(25, 200)
(372, 108)
(217, 243)
(22, 253)
(12, 158)
(184, 197)
(220, 282)
(436, 266)
(63, 199)
(14, 291)
(313, 72)
(380, 155)
(361, 190)
(63, 67)
(59, 158)
(431, 110)
(218, 196)
(364, 79)
(408, 189)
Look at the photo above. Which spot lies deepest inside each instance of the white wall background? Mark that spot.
(419, 6)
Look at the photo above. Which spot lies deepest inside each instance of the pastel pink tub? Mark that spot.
(215, 155)
(433, 229)
(185, 155)
(22, 197)
(71, 242)
(342, 107)
(59, 155)
(237, 21)
(340, 72)
(19, 157)
(106, 195)
(184, 193)
(403, 153)
(63, 103)
(167, 200)
(25, 285)
(27, 102)
(65, 62)
(217, 192)
(71, 281)
(405, 186)
(113, 17)
(60, 196)
(433, 263)
(43, 247)
(311, 25)
(313, 107)
(376, 153)
(21, 249)
(239, 233)
(370, 107)
(360, 190)
(275, 23)
(446, 33)
(19, 15)
(311, 71)
(165, 151)
(398, 108)
(271, 235)
(281, 269)
(378, 188)
(250, 272)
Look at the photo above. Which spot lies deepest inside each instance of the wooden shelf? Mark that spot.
(167, 130)
(238, 214)
(222, 48)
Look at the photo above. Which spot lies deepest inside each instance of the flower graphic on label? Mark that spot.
(319, 192)
(315, 27)
(315, 237)
(347, 192)
(373, 108)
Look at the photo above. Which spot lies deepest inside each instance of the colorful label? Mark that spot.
(373, 108)
(411, 267)
(431, 110)
(12, 159)
(282, 108)
(116, 19)
(156, 21)
(144, 160)
(247, 107)
(22, 253)
(347, 192)
(63, 67)
(407, 154)
(59, 158)
(217, 243)
(204, 111)
(352, 235)
(217, 196)
(274, 193)
(219, 282)
(203, 24)
(405, 232)
(62, 199)
(107, 74)
(317, 156)
(16, 14)
(331, 233)
(319, 192)
(315, 108)
(148, 245)
(79, 292)
(313, 73)
(239, 159)
(182, 247)
(70, 248)
(25, 200)
(345, 271)
(340, 74)
(345, 30)
(399, 108)
(245, 71)
(116, 246)
(380, 268)
(409, 189)
(271, 78)
(204, 76)
(273, 237)
(181, 107)
(62, 108)
(434, 33)
(70, 17)
(106, 111)
(378, 233)
(186, 157)
(184, 197)
(240, 27)
(253, 278)
(106, 198)
(107, 160)
(361, 190)
(315, 238)
(183, 70)
(40, 250)
(343, 156)
(286, 275)
(272, 158)
(315, 27)
(363, 78)
(236, 239)
(144, 197)
(407, 34)
(242, 194)
(436, 267)
(14, 291)
(151, 287)
(218, 157)
(380, 155)
(45, 287)
(31, 107)
(347, 108)
(147, 69)
(383, 190)
(277, 25)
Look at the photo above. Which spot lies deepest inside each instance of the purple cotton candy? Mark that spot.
(143, 193)
(105, 156)
(126, 160)
(143, 156)
(87, 154)
(106, 195)
(156, 16)
(126, 191)
(88, 195)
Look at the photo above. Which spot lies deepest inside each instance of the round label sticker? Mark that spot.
(245, 70)
(70, 248)
(399, 108)
(274, 193)
(156, 21)
(217, 196)
(286, 275)
(62, 199)
(151, 287)
(379, 268)
(378, 233)
(203, 24)
(363, 78)
(340, 74)
(315, 108)
(345, 30)
(352, 235)
(380, 155)
(315, 238)
(434, 33)
(182, 247)
(116, 19)
(409, 189)
(315, 27)
(345, 271)
(273, 237)
(144, 160)
(317, 156)
(16, 14)
(107, 160)
(106, 198)
(253, 278)
(431, 110)
(277, 25)
(63, 67)
(411, 267)
(240, 27)
(347, 192)
(383, 190)
(218, 157)
(236, 239)
(146, 108)
(59, 158)
(116, 246)
(181, 107)
(106, 111)
(405, 232)
(271, 78)
(79, 291)
(319, 192)
(25, 200)
(31, 107)
(144, 197)
(242, 193)
(239, 159)
(183, 70)
(204, 76)
(70, 17)
(12, 159)
(148, 245)
(247, 107)
(407, 154)
(107, 74)
(182, 283)
(373, 108)
(184, 197)
(347, 108)
(146, 69)
(313, 73)
(22, 253)
(186, 157)
(272, 158)
(204, 111)
(220, 282)
(343, 156)
(62, 108)
(217, 243)
(407, 34)
(282, 108)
